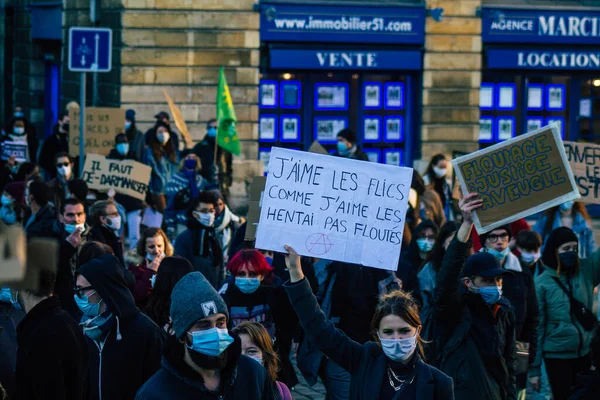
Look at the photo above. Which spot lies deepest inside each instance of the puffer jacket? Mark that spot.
(559, 333)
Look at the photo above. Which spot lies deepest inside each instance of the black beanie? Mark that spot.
(483, 237)
(557, 238)
(348, 135)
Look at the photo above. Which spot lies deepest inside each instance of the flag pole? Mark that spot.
(216, 144)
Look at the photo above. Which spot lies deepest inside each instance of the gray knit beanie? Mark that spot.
(193, 299)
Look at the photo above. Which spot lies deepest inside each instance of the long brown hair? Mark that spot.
(158, 149)
(401, 304)
(260, 337)
(578, 208)
(150, 233)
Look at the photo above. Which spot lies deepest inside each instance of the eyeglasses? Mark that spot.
(62, 165)
(494, 238)
(79, 291)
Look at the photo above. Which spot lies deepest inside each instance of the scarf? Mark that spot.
(98, 327)
(191, 176)
(221, 228)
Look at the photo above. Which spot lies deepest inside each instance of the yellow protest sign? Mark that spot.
(101, 127)
(179, 121)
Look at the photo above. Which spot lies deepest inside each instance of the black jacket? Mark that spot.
(205, 150)
(53, 145)
(519, 289)
(128, 202)
(242, 378)
(130, 353)
(67, 263)
(10, 317)
(470, 344)
(269, 305)
(52, 356)
(367, 364)
(588, 386)
(357, 155)
(42, 224)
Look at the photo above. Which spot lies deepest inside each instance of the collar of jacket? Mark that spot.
(173, 362)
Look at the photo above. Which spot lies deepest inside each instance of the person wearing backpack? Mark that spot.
(565, 297)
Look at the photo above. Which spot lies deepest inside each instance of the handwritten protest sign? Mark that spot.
(334, 208)
(101, 127)
(17, 149)
(126, 177)
(585, 164)
(517, 178)
(257, 189)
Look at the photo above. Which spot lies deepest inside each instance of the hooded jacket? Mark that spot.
(242, 378)
(52, 355)
(367, 364)
(130, 353)
(199, 245)
(56, 143)
(472, 342)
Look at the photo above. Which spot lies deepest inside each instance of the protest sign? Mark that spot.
(517, 178)
(316, 147)
(585, 164)
(101, 127)
(127, 177)
(17, 149)
(253, 217)
(179, 121)
(334, 208)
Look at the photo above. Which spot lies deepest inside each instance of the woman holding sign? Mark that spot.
(391, 367)
(163, 157)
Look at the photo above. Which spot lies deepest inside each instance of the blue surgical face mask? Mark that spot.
(122, 148)
(8, 216)
(96, 328)
(399, 349)
(6, 201)
(127, 125)
(258, 360)
(567, 205)
(211, 132)
(211, 342)
(70, 228)
(530, 258)
(489, 294)
(247, 285)
(342, 149)
(88, 309)
(425, 245)
(6, 295)
(500, 255)
(19, 114)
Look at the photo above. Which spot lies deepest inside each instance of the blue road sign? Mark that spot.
(90, 49)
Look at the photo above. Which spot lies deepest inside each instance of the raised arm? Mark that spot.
(319, 329)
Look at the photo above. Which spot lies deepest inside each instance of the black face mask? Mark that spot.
(568, 260)
(207, 362)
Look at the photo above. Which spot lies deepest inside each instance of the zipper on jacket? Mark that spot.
(100, 348)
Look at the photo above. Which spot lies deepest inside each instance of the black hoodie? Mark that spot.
(130, 353)
(242, 378)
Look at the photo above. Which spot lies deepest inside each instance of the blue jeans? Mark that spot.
(336, 380)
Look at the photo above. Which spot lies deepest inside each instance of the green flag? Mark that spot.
(227, 136)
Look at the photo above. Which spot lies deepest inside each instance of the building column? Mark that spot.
(178, 46)
(451, 79)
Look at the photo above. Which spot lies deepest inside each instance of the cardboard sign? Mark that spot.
(257, 189)
(317, 148)
(334, 208)
(179, 121)
(18, 149)
(102, 125)
(585, 164)
(517, 178)
(127, 177)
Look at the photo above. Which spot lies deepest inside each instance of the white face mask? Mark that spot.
(64, 170)
(113, 223)
(206, 219)
(439, 172)
(399, 349)
(163, 137)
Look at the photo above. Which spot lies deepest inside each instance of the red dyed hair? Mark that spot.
(256, 262)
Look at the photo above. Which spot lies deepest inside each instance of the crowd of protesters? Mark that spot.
(189, 310)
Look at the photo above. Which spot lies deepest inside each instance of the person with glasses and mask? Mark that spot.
(217, 172)
(565, 292)
(472, 324)
(58, 142)
(124, 345)
(519, 289)
(203, 360)
(198, 243)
